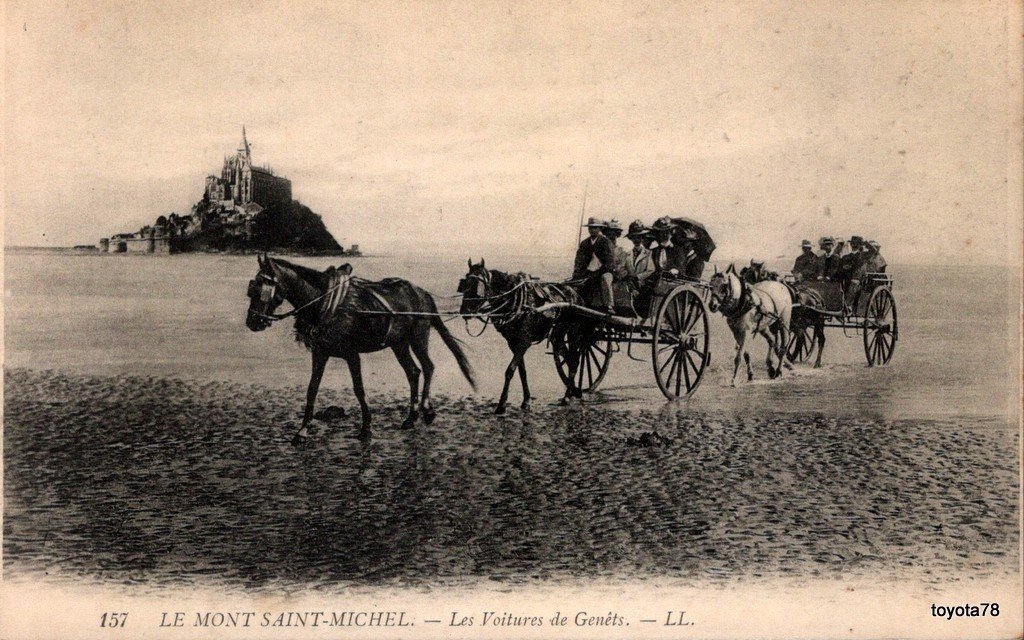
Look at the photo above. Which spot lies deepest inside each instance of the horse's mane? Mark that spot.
(504, 281)
(318, 279)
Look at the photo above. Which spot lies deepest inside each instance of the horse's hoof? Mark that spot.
(817, 366)
(525, 406)
(299, 440)
(408, 423)
(499, 410)
(364, 434)
(428, 417)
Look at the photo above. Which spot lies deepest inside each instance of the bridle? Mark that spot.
(268, 286)
(483, 281)
(731, 304)
(483, 285)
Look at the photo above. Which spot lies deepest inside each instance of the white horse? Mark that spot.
(764, 308)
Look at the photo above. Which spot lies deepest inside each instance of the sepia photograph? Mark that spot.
(491, 319)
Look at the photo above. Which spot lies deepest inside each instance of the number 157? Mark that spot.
(113, 620)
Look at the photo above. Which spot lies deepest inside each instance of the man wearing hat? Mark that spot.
(595, 260)
(623, 263)
(807, 266)
(829, 257)
(854, 258)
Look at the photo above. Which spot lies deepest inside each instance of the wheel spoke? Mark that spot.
(886, 306)
(597, 364)
(686, 370)
(687, 310)
(887, 348)
(671, 345)
(668, 361)
(696, 369)
(697, 313)
(680, 312)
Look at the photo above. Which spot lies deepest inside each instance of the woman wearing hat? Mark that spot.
(642, 259)
(668, 256)
(875, 262)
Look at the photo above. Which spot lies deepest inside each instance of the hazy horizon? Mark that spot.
(476, 127)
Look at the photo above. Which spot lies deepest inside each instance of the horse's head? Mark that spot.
(265, 295)
(475, 287)
(725, 288)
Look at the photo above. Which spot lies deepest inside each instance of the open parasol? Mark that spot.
(698, 234)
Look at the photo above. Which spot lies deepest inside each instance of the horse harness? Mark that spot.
(337, 291)
(745, 302)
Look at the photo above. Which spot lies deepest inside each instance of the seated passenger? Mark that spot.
(829, 257)
(595, 262)
(641, 262)
(668, 257)
(807, 266)
(623, 261)
(875, 262)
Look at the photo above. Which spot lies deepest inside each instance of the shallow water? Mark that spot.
(146, 442)
(184, 316)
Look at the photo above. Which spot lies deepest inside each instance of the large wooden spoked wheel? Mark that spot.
(595, 354)
(881, 327)
(680, 350)
(801, 344)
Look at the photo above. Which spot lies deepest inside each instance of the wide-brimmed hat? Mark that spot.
(873, 244)
(637, 229)
(663, 223)
(613, 225)
(856, 240)
(596, 222)
(826, 240)
(756, 263)
(806, 244)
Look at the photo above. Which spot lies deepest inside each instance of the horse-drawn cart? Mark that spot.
(868, 307)
(584, 339)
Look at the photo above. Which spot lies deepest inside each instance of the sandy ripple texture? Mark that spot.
(144, 480)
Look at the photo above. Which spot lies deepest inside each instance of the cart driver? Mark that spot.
(595, 261)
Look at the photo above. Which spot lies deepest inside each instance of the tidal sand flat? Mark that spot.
(171, 481)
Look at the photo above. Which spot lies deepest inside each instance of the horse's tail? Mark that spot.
(455, 346)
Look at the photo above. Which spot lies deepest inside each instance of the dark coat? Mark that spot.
(809, 266)
(600, 247)
(670, 257)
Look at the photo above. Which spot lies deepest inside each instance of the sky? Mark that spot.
(477, 127)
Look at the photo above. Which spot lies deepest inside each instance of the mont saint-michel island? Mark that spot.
(246, 208)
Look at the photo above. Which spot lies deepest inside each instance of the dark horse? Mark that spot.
(340, 316)
(508, 300)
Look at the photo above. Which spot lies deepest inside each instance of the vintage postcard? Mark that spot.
(492, 319)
